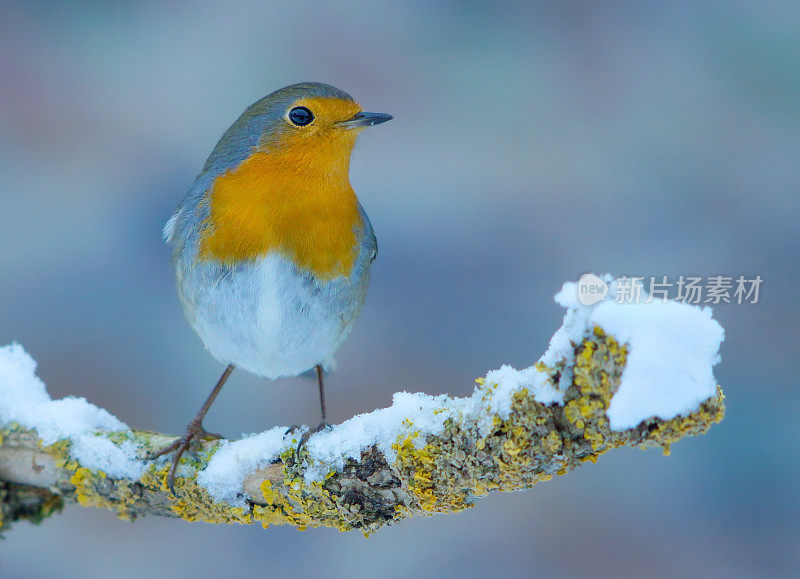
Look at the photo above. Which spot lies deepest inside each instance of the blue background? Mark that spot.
(531, 143)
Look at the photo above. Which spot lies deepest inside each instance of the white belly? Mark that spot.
(267, 317)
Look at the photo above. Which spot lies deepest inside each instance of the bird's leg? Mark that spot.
(324, 424)
(194, 431)
(321, 394)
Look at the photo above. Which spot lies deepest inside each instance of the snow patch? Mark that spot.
(224, 475)
(409, 414)
(24, 400)
(672, 348)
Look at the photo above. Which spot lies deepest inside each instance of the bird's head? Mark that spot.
(309, 126)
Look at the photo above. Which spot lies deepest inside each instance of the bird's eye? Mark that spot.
(301, 116)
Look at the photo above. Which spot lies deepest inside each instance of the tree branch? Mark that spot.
(478, 448)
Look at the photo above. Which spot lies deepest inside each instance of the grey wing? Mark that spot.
(372, 241)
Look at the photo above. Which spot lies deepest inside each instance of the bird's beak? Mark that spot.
(364, 119)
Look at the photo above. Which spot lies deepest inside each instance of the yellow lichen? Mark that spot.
(191, 501)
(93, 488)
(83, 479)
(552, 443)
(269, 495)
(298, 504)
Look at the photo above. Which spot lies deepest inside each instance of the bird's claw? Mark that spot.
(292, 429)
(209, 436)
(324, 425)
(193, 436)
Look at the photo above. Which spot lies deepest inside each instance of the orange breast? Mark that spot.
(299, 203)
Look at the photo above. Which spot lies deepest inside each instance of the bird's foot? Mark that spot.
(324, 425)
(194, 436)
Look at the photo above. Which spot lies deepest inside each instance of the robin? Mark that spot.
(271, 247)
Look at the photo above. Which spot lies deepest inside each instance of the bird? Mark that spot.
(271, 247)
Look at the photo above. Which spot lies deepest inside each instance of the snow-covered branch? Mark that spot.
(614, 375)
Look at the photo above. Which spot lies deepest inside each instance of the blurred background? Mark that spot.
(530, 144)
